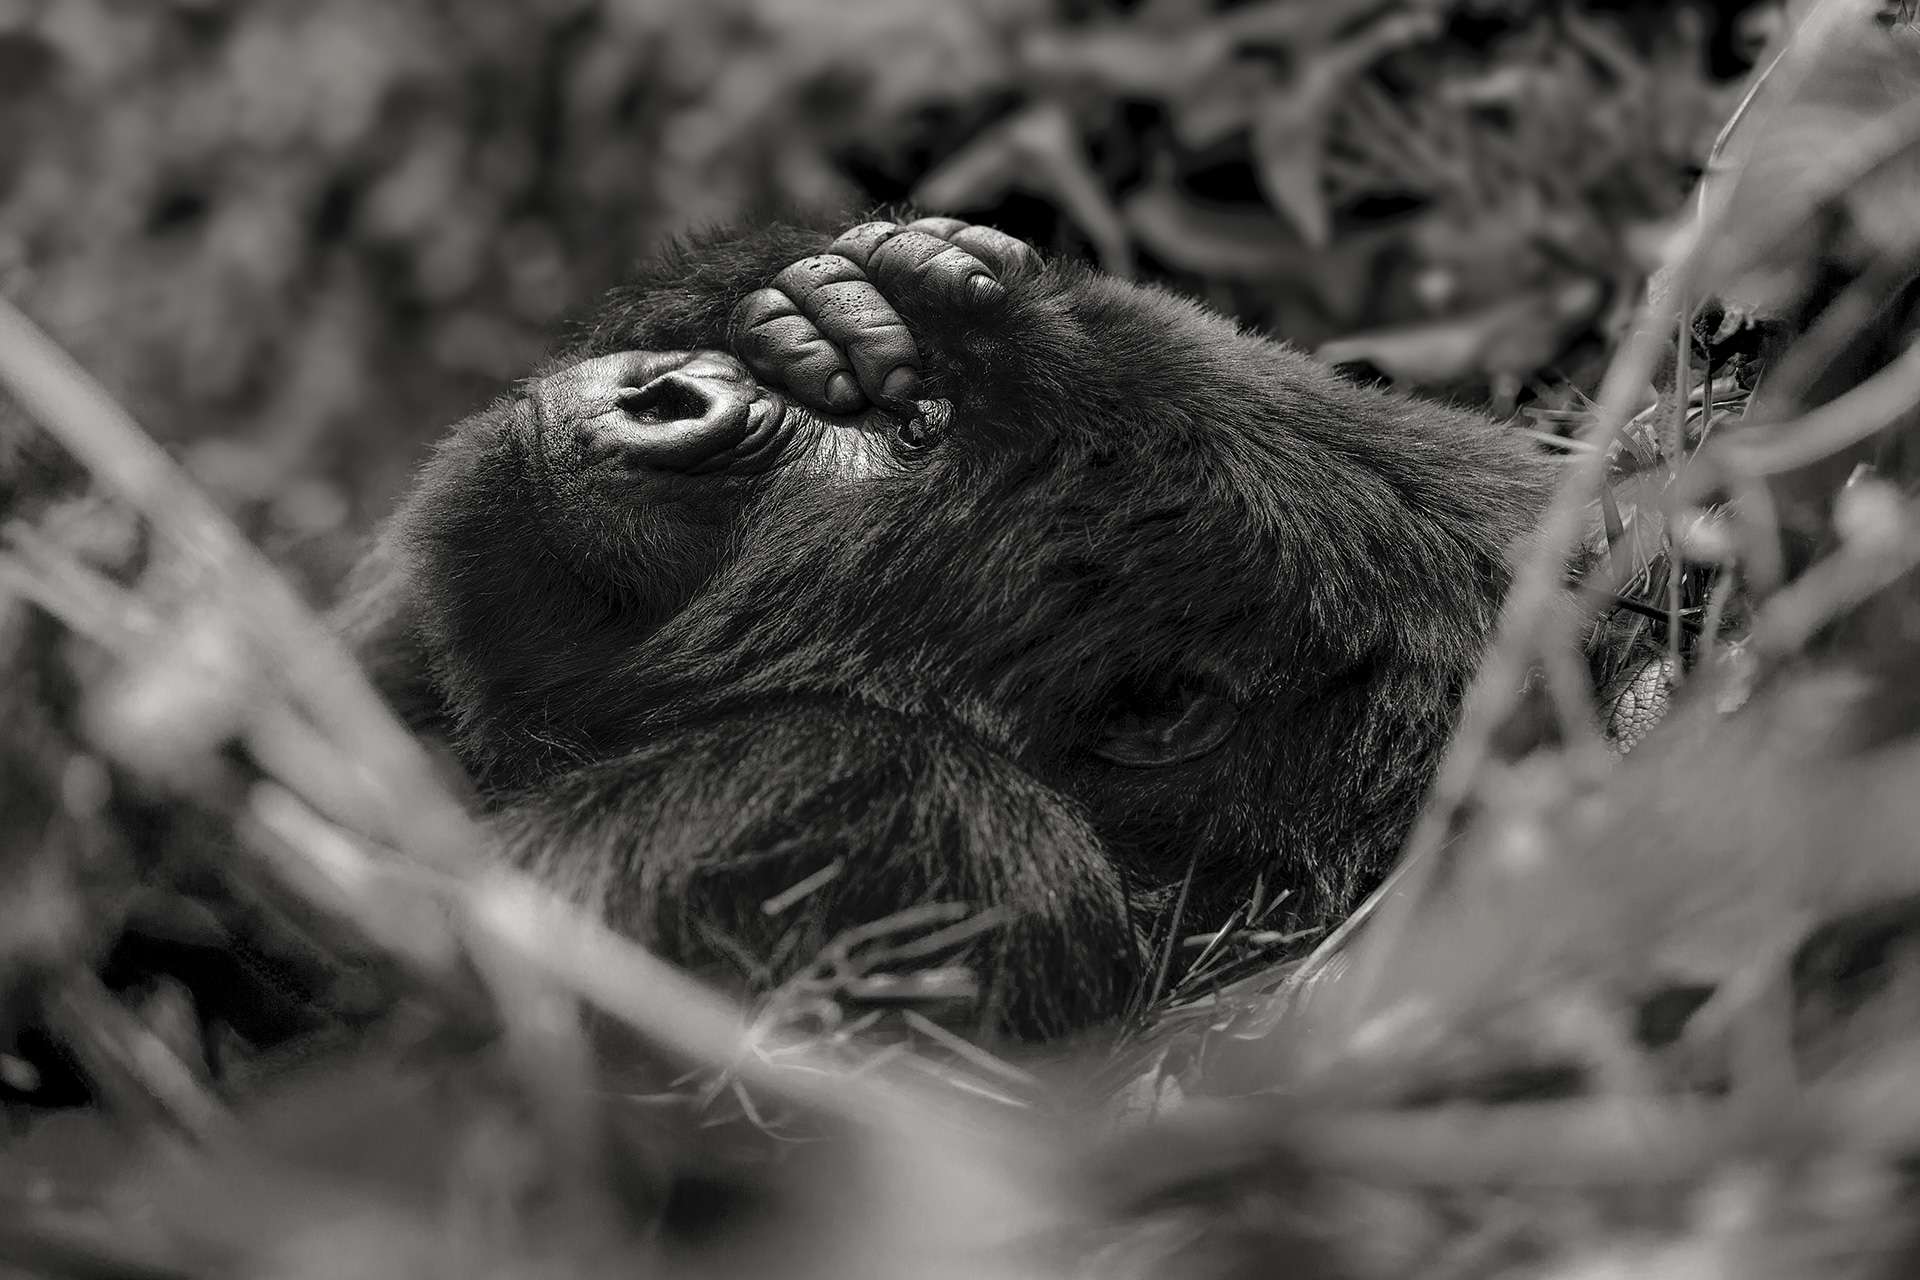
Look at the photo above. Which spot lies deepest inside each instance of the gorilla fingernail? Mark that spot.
(983, 290)
(902, 384)
(843, 394)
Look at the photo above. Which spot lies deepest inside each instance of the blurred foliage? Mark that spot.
(1642, 1017)
(300, 236)
(304, 237)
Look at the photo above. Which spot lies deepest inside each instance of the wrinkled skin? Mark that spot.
(993, 579)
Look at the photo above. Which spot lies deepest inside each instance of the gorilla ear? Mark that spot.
(1164, 727)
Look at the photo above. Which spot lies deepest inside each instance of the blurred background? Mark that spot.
(299, 237)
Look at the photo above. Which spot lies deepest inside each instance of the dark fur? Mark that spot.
(910, 672)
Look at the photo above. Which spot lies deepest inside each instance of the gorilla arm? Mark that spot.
(692, 842)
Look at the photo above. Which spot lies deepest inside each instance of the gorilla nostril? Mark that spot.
(686, 420)
(665, 399)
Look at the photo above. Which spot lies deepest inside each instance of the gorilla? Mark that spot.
(825, 576)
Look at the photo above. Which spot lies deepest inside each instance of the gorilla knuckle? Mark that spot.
(908, 248)
(885, 329)
(851, 301)
(761, 306)
(943, 227)
(857, 244)
(810, 275)
(782, 331)
(995, 247)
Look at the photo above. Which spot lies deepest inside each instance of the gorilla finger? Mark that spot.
(1006, 254)
(854, 317)
(756, 309)
(834, 293)
(857, 245)
(790, 352)
(917, 269)
(942, 227)
(802, 279)
(772, 338)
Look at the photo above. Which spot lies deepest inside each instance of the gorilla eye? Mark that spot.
(925, 428)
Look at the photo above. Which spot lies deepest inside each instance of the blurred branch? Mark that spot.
(1037, 149)
(1848, 419)
(138, 1074)
(1797, 611)
(71, 405)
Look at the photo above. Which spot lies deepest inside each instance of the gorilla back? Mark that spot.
(914, 564)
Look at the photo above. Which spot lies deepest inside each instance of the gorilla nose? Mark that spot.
(704, 415)
(679, 421)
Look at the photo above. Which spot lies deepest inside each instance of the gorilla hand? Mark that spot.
(827, 332)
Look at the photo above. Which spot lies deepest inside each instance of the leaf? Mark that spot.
(1214, 109)
(1245, 242)
(1512, 338)
(1128, 61)
(1290, 127)
(1833, 121)
(1037, 149)
(1288, 138)
(1637, 701)
(902, 55)
(1213, 239)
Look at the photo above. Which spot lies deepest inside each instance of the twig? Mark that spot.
(1797, 611)
(686, 1018)
(1673, 445)
(1173, 938)
(1211, 944)
(804, 887)
(333, 875)
(139, 1076)
(965, 1049)
(1569, 686)
(1608, 1141)
(1848, 419)
(1864, 305)
(86, 1245)
(1879, 142)
(961, 931)
(399, 783)
(89, 606)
